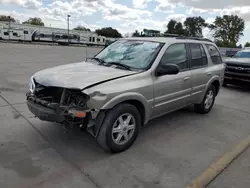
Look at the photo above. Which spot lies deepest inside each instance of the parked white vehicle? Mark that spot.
(31, 33)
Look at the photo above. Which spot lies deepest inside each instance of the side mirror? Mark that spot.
(167, 69)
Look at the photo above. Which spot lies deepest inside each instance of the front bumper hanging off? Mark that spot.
(44, 110)
(53, 112)
(43, 113)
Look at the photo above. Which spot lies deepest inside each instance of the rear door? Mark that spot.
(200, 71)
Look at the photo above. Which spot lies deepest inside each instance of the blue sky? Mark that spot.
(125, 15)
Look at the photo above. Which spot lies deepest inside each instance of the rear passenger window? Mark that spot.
(198, 55)
(214, 54)
(176, 54)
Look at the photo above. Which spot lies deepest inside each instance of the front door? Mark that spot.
(173, 91)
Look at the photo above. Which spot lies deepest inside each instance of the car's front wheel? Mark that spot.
(120, 128)
(208, 101)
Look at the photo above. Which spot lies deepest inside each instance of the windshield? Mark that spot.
(242, 54)
(132, 53)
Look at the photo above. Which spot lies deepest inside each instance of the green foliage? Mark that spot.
(34, 21)
(227, 30)
(175, 27)
(179, 29)
(108, 32)
(81, 28)
(247, 44)
(136, 34)
(7, 18)
(194, 26)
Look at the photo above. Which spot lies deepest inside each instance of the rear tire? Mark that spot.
(120, 128)
(208, 101)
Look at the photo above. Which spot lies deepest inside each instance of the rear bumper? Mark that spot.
(45, 114)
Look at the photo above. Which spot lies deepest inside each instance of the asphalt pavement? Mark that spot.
(170, 151)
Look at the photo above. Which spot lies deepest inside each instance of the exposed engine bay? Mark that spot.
(68, 104)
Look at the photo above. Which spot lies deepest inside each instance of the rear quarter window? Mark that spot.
(214, 54)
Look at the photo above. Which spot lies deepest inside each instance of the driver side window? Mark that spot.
(176, 54)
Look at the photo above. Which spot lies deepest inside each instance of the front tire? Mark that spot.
(208, 101)
(120, 128)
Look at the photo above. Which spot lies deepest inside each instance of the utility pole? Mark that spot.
(9, 27)
(68, 16)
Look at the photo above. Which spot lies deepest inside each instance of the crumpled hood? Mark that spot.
(237, 60)
(78, 75)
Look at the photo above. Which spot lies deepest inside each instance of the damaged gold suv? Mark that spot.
(128, 83)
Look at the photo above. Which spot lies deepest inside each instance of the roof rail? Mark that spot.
(186, 37)
(171, 35)
(194, 38)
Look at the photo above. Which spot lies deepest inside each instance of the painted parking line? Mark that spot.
(215, 169)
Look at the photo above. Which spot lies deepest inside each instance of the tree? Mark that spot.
(171, 27)
(81, 28)
(34, 21)
(7, 18)
(175, 27)
(179, 29)
(227, 30)
(194, 26)
(136, 34)
(247, 44)
(108, 32)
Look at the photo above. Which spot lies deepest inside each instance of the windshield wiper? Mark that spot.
(99, 60)
(121, 65)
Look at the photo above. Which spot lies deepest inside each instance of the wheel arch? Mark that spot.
(216, 84)
(143, 105)
(215, 81)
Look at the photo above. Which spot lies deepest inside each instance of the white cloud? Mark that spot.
(210, 20)
(177, 17)
(243, 12)
(19, 2)
(140, 3)
(212, 4)
(121, 12)
(195, 11)
(92, 27)
(164, 6)
(32, 4)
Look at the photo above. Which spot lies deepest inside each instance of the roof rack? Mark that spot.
(171, 35)
(186, 37)
(194, 38)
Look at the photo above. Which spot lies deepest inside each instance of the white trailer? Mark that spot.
(31, 33)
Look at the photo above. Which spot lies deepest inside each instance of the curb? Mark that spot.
(216, 168)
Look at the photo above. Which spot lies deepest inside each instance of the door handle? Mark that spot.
(186, 78)
(209, 73)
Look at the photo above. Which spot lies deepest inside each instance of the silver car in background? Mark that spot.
(128, 83)
(237, 70)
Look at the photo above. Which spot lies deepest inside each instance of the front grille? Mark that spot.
(238, 68)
